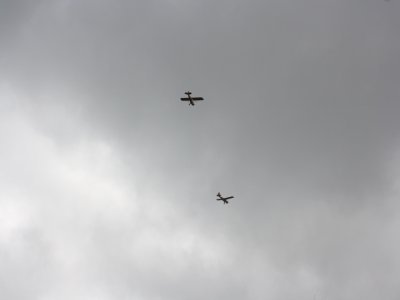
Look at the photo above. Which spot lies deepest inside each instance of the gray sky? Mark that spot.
(108, 181)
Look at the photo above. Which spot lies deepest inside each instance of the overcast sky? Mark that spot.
(108, 181)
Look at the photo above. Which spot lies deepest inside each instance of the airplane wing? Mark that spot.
(185, 99)
(229, 198)
(197, 98)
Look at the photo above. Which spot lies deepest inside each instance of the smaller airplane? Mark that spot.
(220, 198)
(191, 99)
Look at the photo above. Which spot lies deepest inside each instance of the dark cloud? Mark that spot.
(113, 179)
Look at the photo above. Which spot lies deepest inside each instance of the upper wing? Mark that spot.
(185, 99)
(229, 198)
(197, 98)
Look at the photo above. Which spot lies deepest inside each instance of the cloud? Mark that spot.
(108, 180)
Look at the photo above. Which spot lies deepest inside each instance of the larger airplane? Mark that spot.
(191, 99)
(224, 199)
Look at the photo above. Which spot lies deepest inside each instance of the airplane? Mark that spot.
(220, 198)
(191, 99)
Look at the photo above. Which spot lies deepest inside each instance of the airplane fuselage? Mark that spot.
(191, 102)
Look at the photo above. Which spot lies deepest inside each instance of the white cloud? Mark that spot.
(107, 181)
(79, 200)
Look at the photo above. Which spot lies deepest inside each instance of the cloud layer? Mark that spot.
(107, 180)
